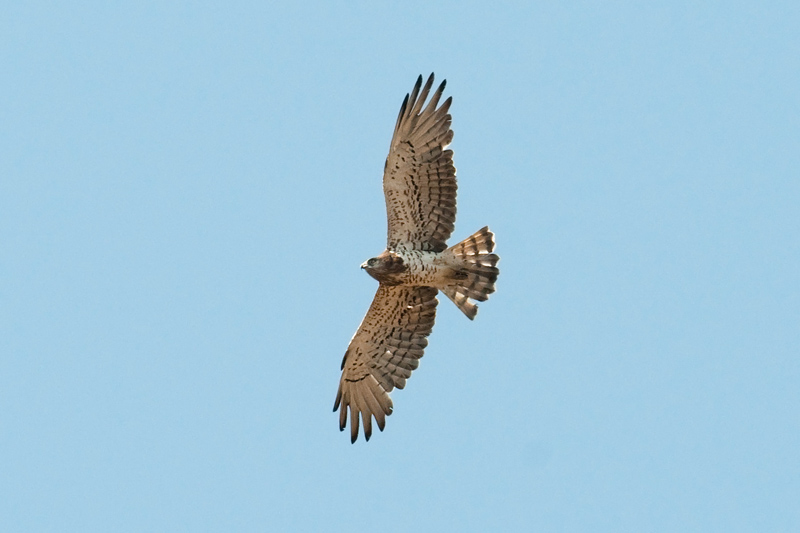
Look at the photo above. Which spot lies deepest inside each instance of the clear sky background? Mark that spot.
(187, 191)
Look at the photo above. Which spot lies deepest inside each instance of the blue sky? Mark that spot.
(187, 191)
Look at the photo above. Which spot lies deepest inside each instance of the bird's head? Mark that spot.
(370, 264)
(384, 267)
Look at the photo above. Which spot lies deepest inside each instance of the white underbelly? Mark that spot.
(426, 269)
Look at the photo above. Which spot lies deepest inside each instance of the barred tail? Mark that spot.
(475, 277)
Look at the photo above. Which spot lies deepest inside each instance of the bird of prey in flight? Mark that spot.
(419, 183)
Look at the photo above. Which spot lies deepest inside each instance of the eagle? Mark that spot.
(419, 183)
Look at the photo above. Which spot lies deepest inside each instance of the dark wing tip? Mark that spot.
(400, 116)
(405, 105)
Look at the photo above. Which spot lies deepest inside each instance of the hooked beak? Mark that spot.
(364, 264)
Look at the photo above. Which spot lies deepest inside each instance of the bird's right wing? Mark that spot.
(382, 354)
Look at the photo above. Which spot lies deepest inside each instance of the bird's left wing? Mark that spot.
(419, 179)
(382, 354)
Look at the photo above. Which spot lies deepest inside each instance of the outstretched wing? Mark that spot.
(419, 179)
(382, 354)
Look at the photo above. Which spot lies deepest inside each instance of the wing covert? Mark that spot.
(419, 179)
(382, 354)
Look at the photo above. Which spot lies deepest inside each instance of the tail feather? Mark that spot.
(476, 274)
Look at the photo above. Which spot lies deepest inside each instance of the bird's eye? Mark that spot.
(372, 262)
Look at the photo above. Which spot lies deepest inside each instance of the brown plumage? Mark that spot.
(479, 273)
(419, 183)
